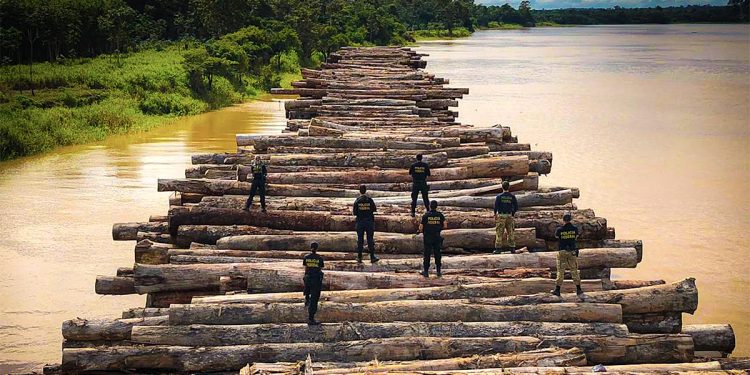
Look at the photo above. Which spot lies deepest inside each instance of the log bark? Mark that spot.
(588, 258)
(667, 322)
(388, 243)
(705, 368)
(288, 255)
(541, 357)
(223, 335)
(228, 358)
(209, 234)
(107, 329)
(263, 142)
(545, 228)
(598, 349)
(129, 231)
(144, 312)
(149, 252)
(675, 297)
(392, 311)
(494, 167)
(452, 152)
(496, 288)
(114, 285)
(348, 160)
(711, 337)
(165, 278)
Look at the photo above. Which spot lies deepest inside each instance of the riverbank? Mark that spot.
(85, 100)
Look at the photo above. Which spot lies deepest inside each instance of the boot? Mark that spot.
(373, 258)
(413, 214)
(511, 249)
(439, 274)
(579, 291)
(263, 209)
(359, 258)
(312, 322)
(556, 291)
(498, 250)
(425, 273)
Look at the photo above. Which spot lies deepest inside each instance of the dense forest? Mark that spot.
(75, 71)
(49, 30)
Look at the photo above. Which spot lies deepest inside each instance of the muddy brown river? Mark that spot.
(652, 123)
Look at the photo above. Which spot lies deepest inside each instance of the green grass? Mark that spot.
(436, 34)
(85, 100)
(503, 26)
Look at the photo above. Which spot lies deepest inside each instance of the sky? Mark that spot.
(553, 4)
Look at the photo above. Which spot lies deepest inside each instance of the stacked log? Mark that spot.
(223, 285)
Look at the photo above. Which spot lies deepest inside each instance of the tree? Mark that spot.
(201, 66)
(118, 22)
(742, 7)
(524, 10)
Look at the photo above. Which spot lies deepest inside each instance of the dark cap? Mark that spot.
(419, 157)
(567, 217)
(313, 246)
(362, 189)
(433, 205)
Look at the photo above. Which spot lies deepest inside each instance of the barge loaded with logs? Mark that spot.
(224, 285)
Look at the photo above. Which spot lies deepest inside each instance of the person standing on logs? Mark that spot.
(364, 210)
(567, 256)
(313, 282)
(433, 222)
(419, 171)
(506, 206)
(258, 185)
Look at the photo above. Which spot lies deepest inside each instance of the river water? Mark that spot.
(651, 122)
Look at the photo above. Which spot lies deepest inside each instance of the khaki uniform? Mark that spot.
(504, 228)
(567, 260)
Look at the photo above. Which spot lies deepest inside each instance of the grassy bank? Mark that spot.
(439, 34)
(85, 100)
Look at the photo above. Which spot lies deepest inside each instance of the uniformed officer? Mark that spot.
(419, 171)
(313, 282)
(505, 209)
(567, 256)
(364, 210)
(433, 222)
(258, 185)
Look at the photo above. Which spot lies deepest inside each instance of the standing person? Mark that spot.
(433, 222)
(505, 209)
(258, 185)
(419, 171)
(313, 282)
(567, 256)
(364, 210)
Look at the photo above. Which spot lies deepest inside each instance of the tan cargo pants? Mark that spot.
(566, 260)
(504, 227)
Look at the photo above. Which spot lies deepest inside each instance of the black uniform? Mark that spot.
(506, 203)
(258, 185)
(313, 282)
(364, 210)
(419, 172)
(432, 222)
(566, 236)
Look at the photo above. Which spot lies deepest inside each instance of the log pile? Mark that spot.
(224, 286)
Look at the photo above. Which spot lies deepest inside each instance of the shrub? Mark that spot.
(159, 103)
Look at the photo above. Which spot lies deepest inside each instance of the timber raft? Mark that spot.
(224, 286)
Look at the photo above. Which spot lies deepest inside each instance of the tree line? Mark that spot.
(48, 30)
